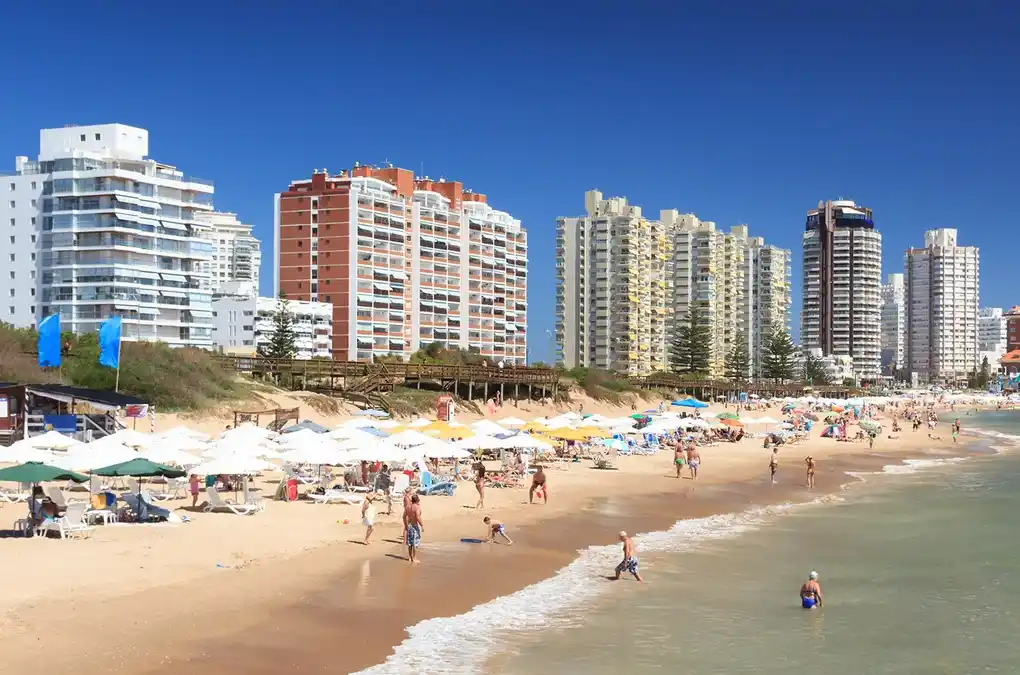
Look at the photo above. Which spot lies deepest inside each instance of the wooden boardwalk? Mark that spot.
(706, 389)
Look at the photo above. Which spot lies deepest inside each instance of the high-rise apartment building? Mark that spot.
(612, 288)
(625, 284)
(236, 254)
(841, 313)
(94, 228)
(710, 269)
(894, 325)
(942, 308)
(768, 271)
(405, 262)
(243, 323)
(991, 335)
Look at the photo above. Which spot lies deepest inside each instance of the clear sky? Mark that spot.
(741, 112)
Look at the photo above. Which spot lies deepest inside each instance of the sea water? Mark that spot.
(920, 568)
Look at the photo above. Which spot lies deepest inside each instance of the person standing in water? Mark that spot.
(810, 461)
(413, 527)
(678, 457)
(811, 592)
(493, 528)
(774, 464)
(629, 563)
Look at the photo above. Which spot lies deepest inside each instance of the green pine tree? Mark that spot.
(738, 361)
(690, 350)
(282, 341)
(814, 371)
(779, 355)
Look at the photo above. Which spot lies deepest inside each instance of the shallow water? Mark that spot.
(917, 565)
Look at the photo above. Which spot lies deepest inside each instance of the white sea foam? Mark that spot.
(908, 466)
(1012, 438)
(461, 644)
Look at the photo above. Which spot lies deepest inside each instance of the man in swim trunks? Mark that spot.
(538, 481)
(774, 464)
(413, 527)
(495, 527)
(629, 563)
(811, 592)
(678, 458)
(810, 461)
(693, 460)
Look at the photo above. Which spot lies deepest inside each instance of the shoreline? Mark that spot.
(315, 608)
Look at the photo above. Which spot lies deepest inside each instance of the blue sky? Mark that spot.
(734, 111)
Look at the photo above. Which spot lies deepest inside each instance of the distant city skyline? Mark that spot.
(730, 122)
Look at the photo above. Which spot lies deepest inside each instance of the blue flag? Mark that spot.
(49, 342)
(109, 342)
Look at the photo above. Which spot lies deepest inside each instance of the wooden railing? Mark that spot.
(322, 368)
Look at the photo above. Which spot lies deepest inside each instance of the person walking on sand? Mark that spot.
(480, 484)
(630, 562)
(193, 489)
(774, 464)
(494, 527)
(693, 460)
(810, 461)
(383, 483)
(539, 482)
(678, 458)
(811, 592)
(413, 527)
(368, 514)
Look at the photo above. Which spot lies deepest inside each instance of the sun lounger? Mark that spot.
(400, 485)
(56, 496)
(144, 508)
(300, 477)
(336, 497)
(217, 503)
(12, 497)
(70, 524)
(172, 491)
(430, 487)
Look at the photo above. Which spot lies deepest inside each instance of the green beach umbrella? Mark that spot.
(140, 468)
(868, 425)
(728, 416)
(34, 472)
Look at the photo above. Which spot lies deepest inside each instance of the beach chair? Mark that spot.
(72, 523)
(172, 490)
(8, 497)
(336, 497)
(217, 503)
(400, 485)
(430, 487)
(300, 477)
(57, 496)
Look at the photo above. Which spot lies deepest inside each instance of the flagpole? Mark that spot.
(116, 383)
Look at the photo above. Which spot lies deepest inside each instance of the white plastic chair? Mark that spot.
(71, 523)
(217, 503)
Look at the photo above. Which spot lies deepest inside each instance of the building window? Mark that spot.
(33, 221)
(33, 203)
(33, 185)
(82, 137)
(14, 204)
(13, 186)
(98, 137)
(33, 257)
(31, 275)
(31, 292)
(11, 292)
(33, 238)
(32, 309)
(12, 257)
(12, 238)
(13, 222)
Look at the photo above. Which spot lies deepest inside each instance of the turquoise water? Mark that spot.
(919, 566)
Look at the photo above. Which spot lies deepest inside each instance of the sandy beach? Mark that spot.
(292, 587)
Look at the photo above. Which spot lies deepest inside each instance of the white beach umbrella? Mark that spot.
(512, 422)
(446, 451)
(184, 432)
(527, 442)
(323, 453)
(52, 440)
(232, 465)
(22, 452)
(92, 457)
(248, 433)
(488, 428)
(387, 424)
(358, 438)
(383, 451)
(302, 438)
(481, 442)
(409, 437)
(132, 438)
(226, 448)
(167, 451)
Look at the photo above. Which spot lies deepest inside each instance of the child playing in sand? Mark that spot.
(494, 527)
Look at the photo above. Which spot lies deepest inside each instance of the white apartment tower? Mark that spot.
(894, 325)
(94, 228)
(841, 313)
(236, 254)
(991, 335)
(613, 288)
(710, 269)
(942, 308)
(768, 275)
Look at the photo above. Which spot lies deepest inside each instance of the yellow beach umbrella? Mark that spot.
(535, 426)
(445, 432)
(567, 435)
(593, 432)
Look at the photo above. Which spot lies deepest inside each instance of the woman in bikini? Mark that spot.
(810, 461)
(480, 484)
